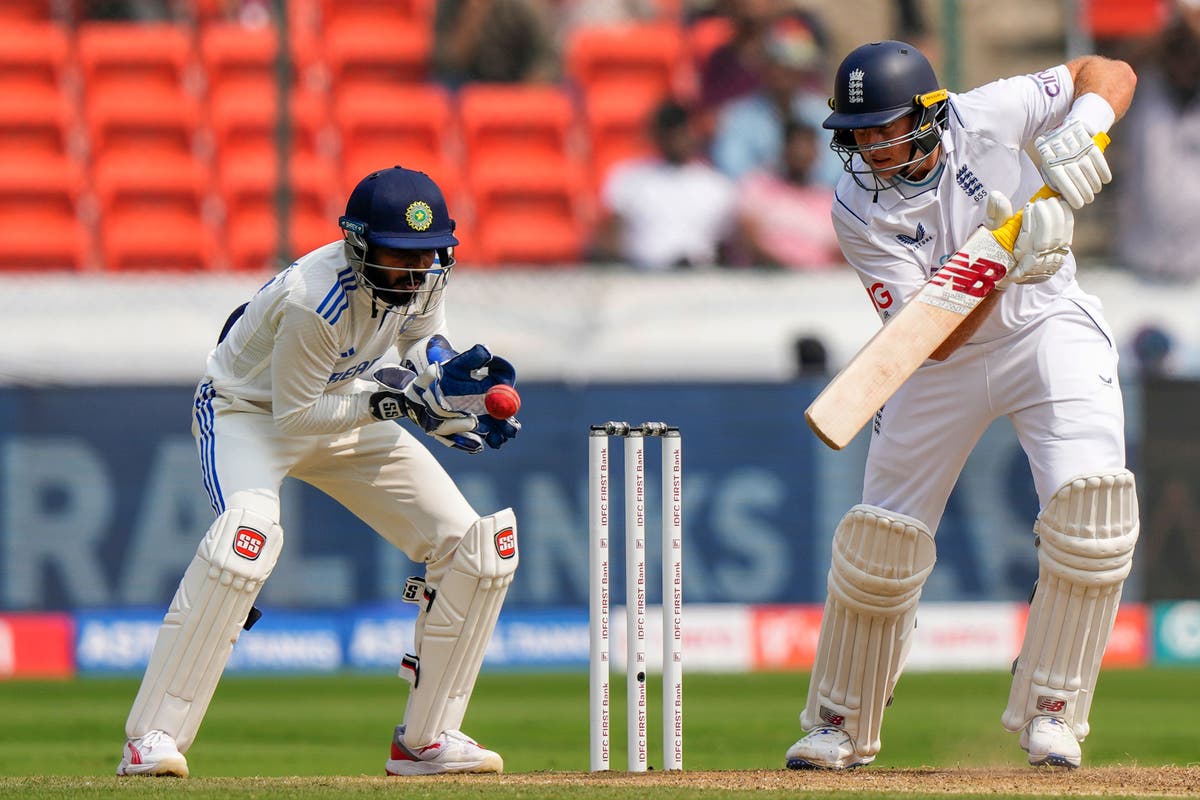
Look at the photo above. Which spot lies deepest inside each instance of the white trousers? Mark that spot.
(1055, 379)
(380, 472)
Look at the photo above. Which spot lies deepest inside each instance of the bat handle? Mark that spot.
(1007, 233)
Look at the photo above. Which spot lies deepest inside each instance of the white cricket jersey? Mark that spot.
(898, 238)
(308, 342)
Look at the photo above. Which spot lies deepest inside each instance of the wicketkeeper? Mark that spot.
(297, 386)
(925, 167)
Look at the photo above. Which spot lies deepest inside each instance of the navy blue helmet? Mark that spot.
(399, 209)
(877, 84)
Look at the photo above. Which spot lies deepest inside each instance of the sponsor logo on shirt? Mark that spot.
(917, 240)
(352, 372)
(1048, 78)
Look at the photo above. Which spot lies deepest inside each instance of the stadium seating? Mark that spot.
(34, 60)
(413, 126)
(503, 122)
(527, 212)
(376, 53)
(643, 56)
(36, 125)
(617, 122)
(126, 54)
(40, 225)
(249, 196)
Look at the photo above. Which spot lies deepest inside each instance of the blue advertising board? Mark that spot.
(102, 506)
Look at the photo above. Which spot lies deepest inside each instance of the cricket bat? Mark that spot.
(906, 340)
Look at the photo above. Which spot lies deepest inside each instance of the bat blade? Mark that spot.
(906, 340)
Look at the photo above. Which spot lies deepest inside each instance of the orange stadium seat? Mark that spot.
(238, 59)
(146, 55)
(502, 122)
(706, 35)
(245, 128)
(367, 53)
(1105, 19)
(34, 59)
(373, 11)
(527, 212)
(124, 119)
(617, 123)
(408, 125)
(32, 125)
(26, 11)
(252, 219)
(154, 212)
(645, 55)
(40, 226)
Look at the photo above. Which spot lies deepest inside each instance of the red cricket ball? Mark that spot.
(502, 401)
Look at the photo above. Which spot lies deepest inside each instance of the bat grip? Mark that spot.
(1006, 234)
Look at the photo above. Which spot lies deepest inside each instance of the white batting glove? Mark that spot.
(1047, 228)
(1072, 164)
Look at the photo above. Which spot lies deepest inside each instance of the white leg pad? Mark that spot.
(1086, 537)
(202, 624)
(465, 591)
(880, 563)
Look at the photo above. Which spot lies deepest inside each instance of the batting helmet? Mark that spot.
(877, 84)
(399, 209)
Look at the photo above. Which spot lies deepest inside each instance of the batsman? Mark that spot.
(924, 169)
(298, 385)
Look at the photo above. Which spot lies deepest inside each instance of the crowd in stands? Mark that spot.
(154, 134)
(659, 134)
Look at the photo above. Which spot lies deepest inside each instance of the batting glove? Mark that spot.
(1072, 164)
(1041, 248)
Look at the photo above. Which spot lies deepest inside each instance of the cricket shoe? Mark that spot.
(1050, 742)
(152, 754)
(825, 748)
(453, 751)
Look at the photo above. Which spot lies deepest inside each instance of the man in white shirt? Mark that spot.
(296, 386)
(925, 168)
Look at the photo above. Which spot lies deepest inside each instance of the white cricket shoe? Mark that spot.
(825, 748)
(152, 754)
(453, 751)
(1050, 742)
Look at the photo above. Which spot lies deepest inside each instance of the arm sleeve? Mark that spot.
(303, 359)
(1014, 111)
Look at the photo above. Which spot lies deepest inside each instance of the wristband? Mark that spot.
(1094, 112)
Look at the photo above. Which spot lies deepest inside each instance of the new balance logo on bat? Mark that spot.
(975, 278)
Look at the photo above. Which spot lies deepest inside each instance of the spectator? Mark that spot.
(783, 217)
(494, 41)
(749, 131)
(735, 68)
(1161, 151)
(669, 210)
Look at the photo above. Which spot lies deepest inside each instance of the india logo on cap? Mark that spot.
(419, 215)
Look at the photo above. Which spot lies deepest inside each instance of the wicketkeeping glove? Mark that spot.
(417, 397)
(1047, 227)
(1072, 164)
(464, 380)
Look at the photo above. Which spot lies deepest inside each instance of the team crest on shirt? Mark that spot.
(419, 215)
(967, 181)
(917, 240)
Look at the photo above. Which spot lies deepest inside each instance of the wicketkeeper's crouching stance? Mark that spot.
(925, 168)
(293, 388)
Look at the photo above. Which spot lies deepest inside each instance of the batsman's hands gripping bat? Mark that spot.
(985, 262)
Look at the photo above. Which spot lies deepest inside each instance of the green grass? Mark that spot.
(339, 726)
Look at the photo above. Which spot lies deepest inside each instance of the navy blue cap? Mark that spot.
(399, 208)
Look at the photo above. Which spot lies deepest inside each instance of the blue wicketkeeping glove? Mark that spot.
(418, 397)
(464, 380)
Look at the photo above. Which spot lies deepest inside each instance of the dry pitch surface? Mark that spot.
(1145, 781)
